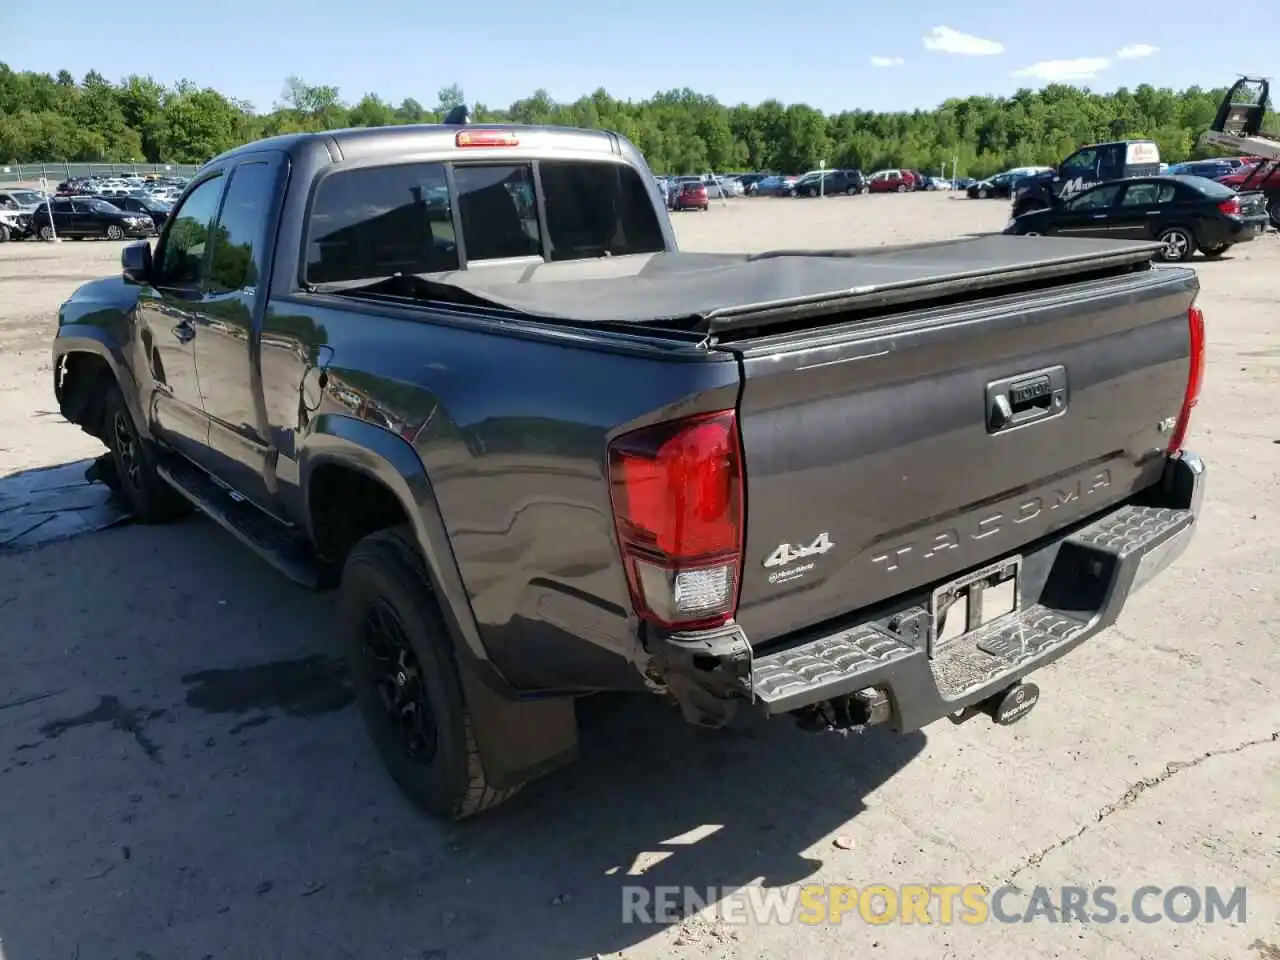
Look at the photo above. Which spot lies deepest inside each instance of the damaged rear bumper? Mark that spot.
(878, 669)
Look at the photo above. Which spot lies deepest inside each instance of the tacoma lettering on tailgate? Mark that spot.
(980, 526)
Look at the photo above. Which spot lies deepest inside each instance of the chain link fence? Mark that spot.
(55, 173)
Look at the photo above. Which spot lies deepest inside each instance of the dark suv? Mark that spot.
(833, 181)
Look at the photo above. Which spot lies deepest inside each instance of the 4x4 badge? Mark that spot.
(785, 553)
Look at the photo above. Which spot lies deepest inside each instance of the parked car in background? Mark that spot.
(1000, 186)
(750, 182)
(1185, 214)
(775, 186)
(848, 182)
(155, 209)
(691, 195)
(891, 181)
(1211, 169)
(20, 200)
(13, 225)
(85, 217)
(1092, 164)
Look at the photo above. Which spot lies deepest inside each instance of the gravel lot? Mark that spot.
(182, 776)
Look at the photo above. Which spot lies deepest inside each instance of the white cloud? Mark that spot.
(1063, 71)
(887, 61)
(1135, 50)
(946, 40)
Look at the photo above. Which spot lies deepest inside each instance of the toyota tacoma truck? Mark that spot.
(463, 375)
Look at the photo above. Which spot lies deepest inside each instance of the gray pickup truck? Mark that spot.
(463, 375)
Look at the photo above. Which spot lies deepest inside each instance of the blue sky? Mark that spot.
(822, 52)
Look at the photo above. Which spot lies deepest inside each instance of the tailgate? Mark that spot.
(874, 462)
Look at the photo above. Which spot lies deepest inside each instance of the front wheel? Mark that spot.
(1274, 212)
(46, 232)
(1215, 251)
(114, 232)
(4, 233)
(983, 194)
(149, 498)
(852, 191)
(902, 188)
(405, 679)
(1178, 244)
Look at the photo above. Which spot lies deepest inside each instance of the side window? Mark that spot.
(597, 209)
(377, 221)
(62, 206)
(1099, 198)
(1082, 163)
(238, 236)
(1147, 194)
(1111, 161)
(181, 257)
(497, 213)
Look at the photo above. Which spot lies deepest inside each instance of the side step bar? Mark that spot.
(285, 551)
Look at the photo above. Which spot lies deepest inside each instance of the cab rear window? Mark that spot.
(377, 221)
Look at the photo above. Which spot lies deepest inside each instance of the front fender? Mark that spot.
(389, 459)
(99, 342)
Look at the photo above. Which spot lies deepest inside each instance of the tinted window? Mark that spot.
(379, 221)
(1083, 163)
(237, 239)
(181, 258)
(497, 212)
(1147, 194)
(1111, 161)
(1095, 199)
(597, 209)
(62, 206)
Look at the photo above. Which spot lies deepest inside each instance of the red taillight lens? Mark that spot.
(677, 506)
(1230, 207)
(486, 138)
(1195, 378)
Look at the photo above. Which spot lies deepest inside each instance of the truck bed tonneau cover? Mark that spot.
(724, 291)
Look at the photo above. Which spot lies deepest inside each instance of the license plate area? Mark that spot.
(973, 601)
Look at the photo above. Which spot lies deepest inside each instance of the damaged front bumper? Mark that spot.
(878, 669)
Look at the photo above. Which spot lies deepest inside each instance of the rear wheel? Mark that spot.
(46, 232)
(1178, 244)
(4, 233)
(406, 681)
(902, 188)
(1274, 212)
(1215, 251)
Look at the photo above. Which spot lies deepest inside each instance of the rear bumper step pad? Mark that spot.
(1094, 570)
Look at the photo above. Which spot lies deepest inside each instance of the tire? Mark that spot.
(851, 192)
(1214, 252)
(46, 232)
(4, 233)
(792, 193)
(1179, 244)
(149, 498)
(902, 188)
(114, 232)
(1274, 212)
(983, 194)
(401, 658)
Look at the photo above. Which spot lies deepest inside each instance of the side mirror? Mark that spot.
(135, 260)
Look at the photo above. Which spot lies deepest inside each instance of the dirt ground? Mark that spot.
(182, 774)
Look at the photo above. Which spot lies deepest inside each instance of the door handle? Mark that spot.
(1100, 216)
(184, 332)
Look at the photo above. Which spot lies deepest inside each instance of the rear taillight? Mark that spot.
(1230, 207)
(677, 506)
(1195, 378)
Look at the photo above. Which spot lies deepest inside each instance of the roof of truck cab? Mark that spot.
(372, 142)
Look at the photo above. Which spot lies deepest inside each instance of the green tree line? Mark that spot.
(45, 118)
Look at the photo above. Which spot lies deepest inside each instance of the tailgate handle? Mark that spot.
(1025, 398)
